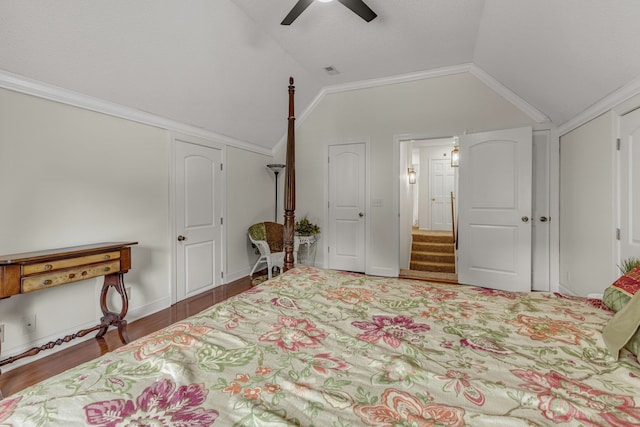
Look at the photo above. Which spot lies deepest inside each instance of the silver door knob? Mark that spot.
(544, 219)
(181, 238)
(525, 219)
(360, 214)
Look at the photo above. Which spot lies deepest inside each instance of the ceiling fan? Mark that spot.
(357, 6)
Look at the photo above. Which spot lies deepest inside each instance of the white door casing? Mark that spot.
(347, 215)
(629, 185)
(442, 184)
(198, 217)
(495, 181)
(541, 221)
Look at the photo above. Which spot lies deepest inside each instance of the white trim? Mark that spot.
(400, 78)
(477, 72)
(508, 94)
(566, 291)
(27, 86)
(554, 211)
(367, 199)
(176, 137)
(609, 102)
(132, 315)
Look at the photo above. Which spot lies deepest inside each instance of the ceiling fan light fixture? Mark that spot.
(325, 1)
(357, 6)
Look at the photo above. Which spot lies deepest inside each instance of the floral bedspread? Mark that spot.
(316, 347)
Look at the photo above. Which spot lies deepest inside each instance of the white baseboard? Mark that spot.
(133, 314)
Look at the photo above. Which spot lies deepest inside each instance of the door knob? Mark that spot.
(181, 238)
(544, 219)
(360, 214)
(525, 219)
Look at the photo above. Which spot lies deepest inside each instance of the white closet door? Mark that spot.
(630, 185)
(494, 248)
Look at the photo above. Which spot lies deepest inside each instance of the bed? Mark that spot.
(330, 348)
(314, 347)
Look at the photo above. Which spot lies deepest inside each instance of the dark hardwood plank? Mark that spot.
(24, 376)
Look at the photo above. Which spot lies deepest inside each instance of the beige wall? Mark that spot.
(587, 189)
(442, 106)
(71, 177)
(250, 199)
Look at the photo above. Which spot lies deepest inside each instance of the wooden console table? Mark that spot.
(33, 271)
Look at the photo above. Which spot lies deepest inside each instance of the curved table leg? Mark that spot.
(110, 318)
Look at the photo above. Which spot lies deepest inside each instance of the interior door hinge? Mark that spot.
(618, 144)
(617, 234)
(221, 167)
(222, 274)
(221, 221)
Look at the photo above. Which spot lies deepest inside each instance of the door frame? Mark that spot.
(367, 200)
(174, 138)
(399, 144)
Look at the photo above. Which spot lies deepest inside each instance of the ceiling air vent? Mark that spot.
(331, 70)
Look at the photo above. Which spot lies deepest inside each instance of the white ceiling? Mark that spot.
(223, 65)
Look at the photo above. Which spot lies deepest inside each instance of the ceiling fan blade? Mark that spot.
(360, 8)
(296, 11)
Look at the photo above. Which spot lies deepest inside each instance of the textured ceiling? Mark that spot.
(223, 65)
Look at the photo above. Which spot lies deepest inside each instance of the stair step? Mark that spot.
(432, 247)
(433, 256)
(432, 266)
(441, 238)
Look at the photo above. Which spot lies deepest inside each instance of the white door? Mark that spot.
(540, 237)
(442, 184)
(494, 247)
(347, 220)
(629, 185)
(198, 217)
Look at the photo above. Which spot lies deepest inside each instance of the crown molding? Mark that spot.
(477, 72)
(367, 84)
(616, 101)
(42, 90)
(535, 114)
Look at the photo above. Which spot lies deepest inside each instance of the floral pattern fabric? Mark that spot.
(316, 347)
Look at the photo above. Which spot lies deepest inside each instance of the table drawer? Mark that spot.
(44, 267)
(43, 281)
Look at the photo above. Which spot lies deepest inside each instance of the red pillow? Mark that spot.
(618, 295)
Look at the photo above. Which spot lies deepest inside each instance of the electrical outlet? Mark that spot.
(2, 332)
(29, 324)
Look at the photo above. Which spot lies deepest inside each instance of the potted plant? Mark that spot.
(304, 227)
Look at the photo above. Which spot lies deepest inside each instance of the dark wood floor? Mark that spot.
(34, 372)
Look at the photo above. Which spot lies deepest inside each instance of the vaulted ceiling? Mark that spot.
(223, 65)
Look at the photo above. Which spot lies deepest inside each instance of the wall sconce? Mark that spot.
(455, 157)
(412, 175)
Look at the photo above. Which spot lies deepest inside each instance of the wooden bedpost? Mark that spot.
(290, 184)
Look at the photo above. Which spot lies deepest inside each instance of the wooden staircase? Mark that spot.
(433, 251)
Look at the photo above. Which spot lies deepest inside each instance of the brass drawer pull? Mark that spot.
(47, 282)
(48, 267)
(72, 275)
(107, 257)
(107, 269)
